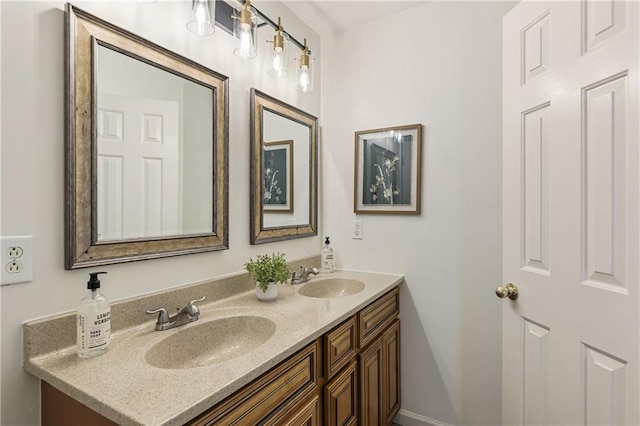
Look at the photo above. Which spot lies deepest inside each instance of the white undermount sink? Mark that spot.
(329, 288)
(211, 342)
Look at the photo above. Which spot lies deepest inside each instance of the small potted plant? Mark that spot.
(267, 271)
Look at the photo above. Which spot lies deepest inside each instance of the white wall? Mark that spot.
(438, 64)
(33, 160)
(0, 211)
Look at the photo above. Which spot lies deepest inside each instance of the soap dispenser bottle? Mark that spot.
(94, 320)
(327, 257)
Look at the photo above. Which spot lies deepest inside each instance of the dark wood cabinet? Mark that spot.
(379, 370)
(391, 371)
(341, 398)
(281, 389)
(306, 413)
(371, 384)
(348, 376)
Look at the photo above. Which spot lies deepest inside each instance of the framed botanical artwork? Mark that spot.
(388, 170)
(277, 194)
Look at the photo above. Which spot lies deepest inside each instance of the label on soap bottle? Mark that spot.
(327, 262)
(94, 330)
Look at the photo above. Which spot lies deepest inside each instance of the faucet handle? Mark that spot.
(191, 308)
(295, 278)
(163, 315)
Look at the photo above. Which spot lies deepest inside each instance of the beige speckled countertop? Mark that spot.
(123, 387)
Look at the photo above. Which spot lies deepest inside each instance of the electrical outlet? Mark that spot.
(15, 252)
(14, 267)
(17, 260)
(357, 230)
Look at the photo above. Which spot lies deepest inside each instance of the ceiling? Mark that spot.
(338, 15)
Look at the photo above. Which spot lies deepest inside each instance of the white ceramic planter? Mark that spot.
(270, 294)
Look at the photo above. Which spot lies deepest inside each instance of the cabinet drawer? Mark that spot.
(308, 415)
(373, 319)
(288, 383)
(340, 347)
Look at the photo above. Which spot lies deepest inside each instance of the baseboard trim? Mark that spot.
(407, 418)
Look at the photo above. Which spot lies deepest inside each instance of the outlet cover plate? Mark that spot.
(357, 231)
(16, 254)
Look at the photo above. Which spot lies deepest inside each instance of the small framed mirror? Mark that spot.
(147, 148)
(284, 171)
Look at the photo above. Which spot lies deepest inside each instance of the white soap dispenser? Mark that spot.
(94, 321)
(327, 257)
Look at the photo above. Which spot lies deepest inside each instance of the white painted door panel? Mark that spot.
(138, 168)
(571, 213)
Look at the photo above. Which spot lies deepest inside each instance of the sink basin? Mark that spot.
(211, 342)
(331, 287)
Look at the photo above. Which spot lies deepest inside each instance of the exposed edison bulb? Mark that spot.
(277, 65)
(244, 29)
(201, 22)
(304, 78)
(304, 73)
(279, 54)
(245, 41)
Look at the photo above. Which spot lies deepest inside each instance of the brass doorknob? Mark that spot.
(510, 291)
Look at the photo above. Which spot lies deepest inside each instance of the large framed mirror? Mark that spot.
(146, 148)
(284, 171)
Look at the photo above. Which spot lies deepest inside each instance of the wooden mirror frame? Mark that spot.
(258, 233)
(83, 33)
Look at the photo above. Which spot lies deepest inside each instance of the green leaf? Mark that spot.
(268, 268)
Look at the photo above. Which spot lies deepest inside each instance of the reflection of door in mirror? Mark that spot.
(137, 168)
(150, 124)
(277, 130)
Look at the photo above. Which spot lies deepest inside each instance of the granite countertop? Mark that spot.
(123, 387)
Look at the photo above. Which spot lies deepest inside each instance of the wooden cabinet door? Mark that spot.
(371, 369)
(341, 398)
(391, 367)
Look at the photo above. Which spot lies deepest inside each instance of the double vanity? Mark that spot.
(324, 352)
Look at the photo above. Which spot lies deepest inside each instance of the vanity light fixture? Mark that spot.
(279, 52)
(243, 24)
(304, 70)
(245, 27)
(202, 20)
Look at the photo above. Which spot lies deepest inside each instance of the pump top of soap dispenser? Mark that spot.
(326, 240)
(94, 282)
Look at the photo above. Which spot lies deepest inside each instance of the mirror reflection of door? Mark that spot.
(155, 151)
(137, 168)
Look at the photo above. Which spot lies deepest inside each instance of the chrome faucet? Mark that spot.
(304, 275)
(184, 316)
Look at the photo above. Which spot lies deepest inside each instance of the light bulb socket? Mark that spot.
(278, 41)
(304, 60)
(245, 14)
(304, 57)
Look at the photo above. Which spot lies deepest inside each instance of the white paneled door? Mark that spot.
(138, 168)
(571, 213)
